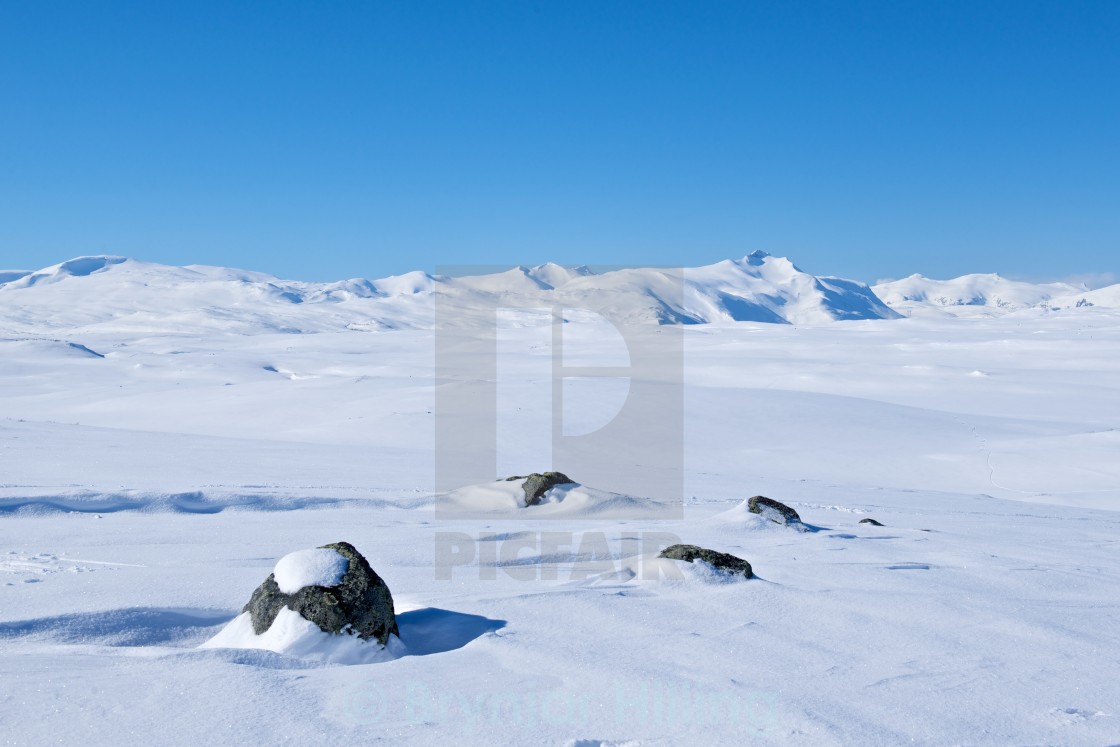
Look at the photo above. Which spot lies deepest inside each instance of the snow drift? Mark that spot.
(573, 500)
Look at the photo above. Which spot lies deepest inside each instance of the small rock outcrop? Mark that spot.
(538, 483)
(768, 508)
(870, 521)
(360, 604)
(722, 560)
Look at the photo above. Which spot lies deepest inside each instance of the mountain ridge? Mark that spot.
(986, 295)
(110, 291)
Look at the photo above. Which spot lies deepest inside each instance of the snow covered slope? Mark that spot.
(1107, 297)
(116, 294)
(165, 441)
(986, 296)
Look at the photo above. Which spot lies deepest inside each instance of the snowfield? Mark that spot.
(169, 435)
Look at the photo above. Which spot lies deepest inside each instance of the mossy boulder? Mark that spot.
(768, 508)
(359, 605)
(538, 483)
(721, 560)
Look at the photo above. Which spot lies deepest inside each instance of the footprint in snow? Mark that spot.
(40, 564)
(1072, 716)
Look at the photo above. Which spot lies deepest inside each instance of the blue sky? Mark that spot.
(321, 140)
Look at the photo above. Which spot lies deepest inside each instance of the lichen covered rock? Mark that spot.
(768, 508)
(538, 483)
(360, 604)
(721, 560)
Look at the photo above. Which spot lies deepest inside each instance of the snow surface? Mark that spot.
(316, 567)
(294, 636)
(207, 425)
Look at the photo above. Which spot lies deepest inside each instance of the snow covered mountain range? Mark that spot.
(116, 294)
(987, 295)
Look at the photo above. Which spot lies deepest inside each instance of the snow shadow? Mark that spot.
(182, 503)
(434, 631)
(137, 626)
(424, 631)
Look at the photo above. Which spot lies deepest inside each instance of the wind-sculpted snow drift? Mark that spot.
(564, 499)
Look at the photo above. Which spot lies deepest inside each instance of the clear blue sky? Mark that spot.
(321, 140)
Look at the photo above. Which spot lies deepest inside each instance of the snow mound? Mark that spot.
(742, 519)
(292, 635)
(651, 569)
(321, 566)
(570, 499)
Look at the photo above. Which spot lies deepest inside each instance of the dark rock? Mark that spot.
(870, 521)
(779, 513)
(722, 560)
(361, 603)
(538, 483)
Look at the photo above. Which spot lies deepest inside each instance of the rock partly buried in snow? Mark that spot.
(333, 587)
(768, 508)
(538, 483)
(870, 521)
(721, 560)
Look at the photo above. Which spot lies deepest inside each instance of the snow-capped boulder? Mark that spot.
(333, 587)
(539, 483)
(768, 508)
(720, 560)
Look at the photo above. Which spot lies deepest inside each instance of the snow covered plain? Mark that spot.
(163, 444)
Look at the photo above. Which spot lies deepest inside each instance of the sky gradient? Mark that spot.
(323, 140)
